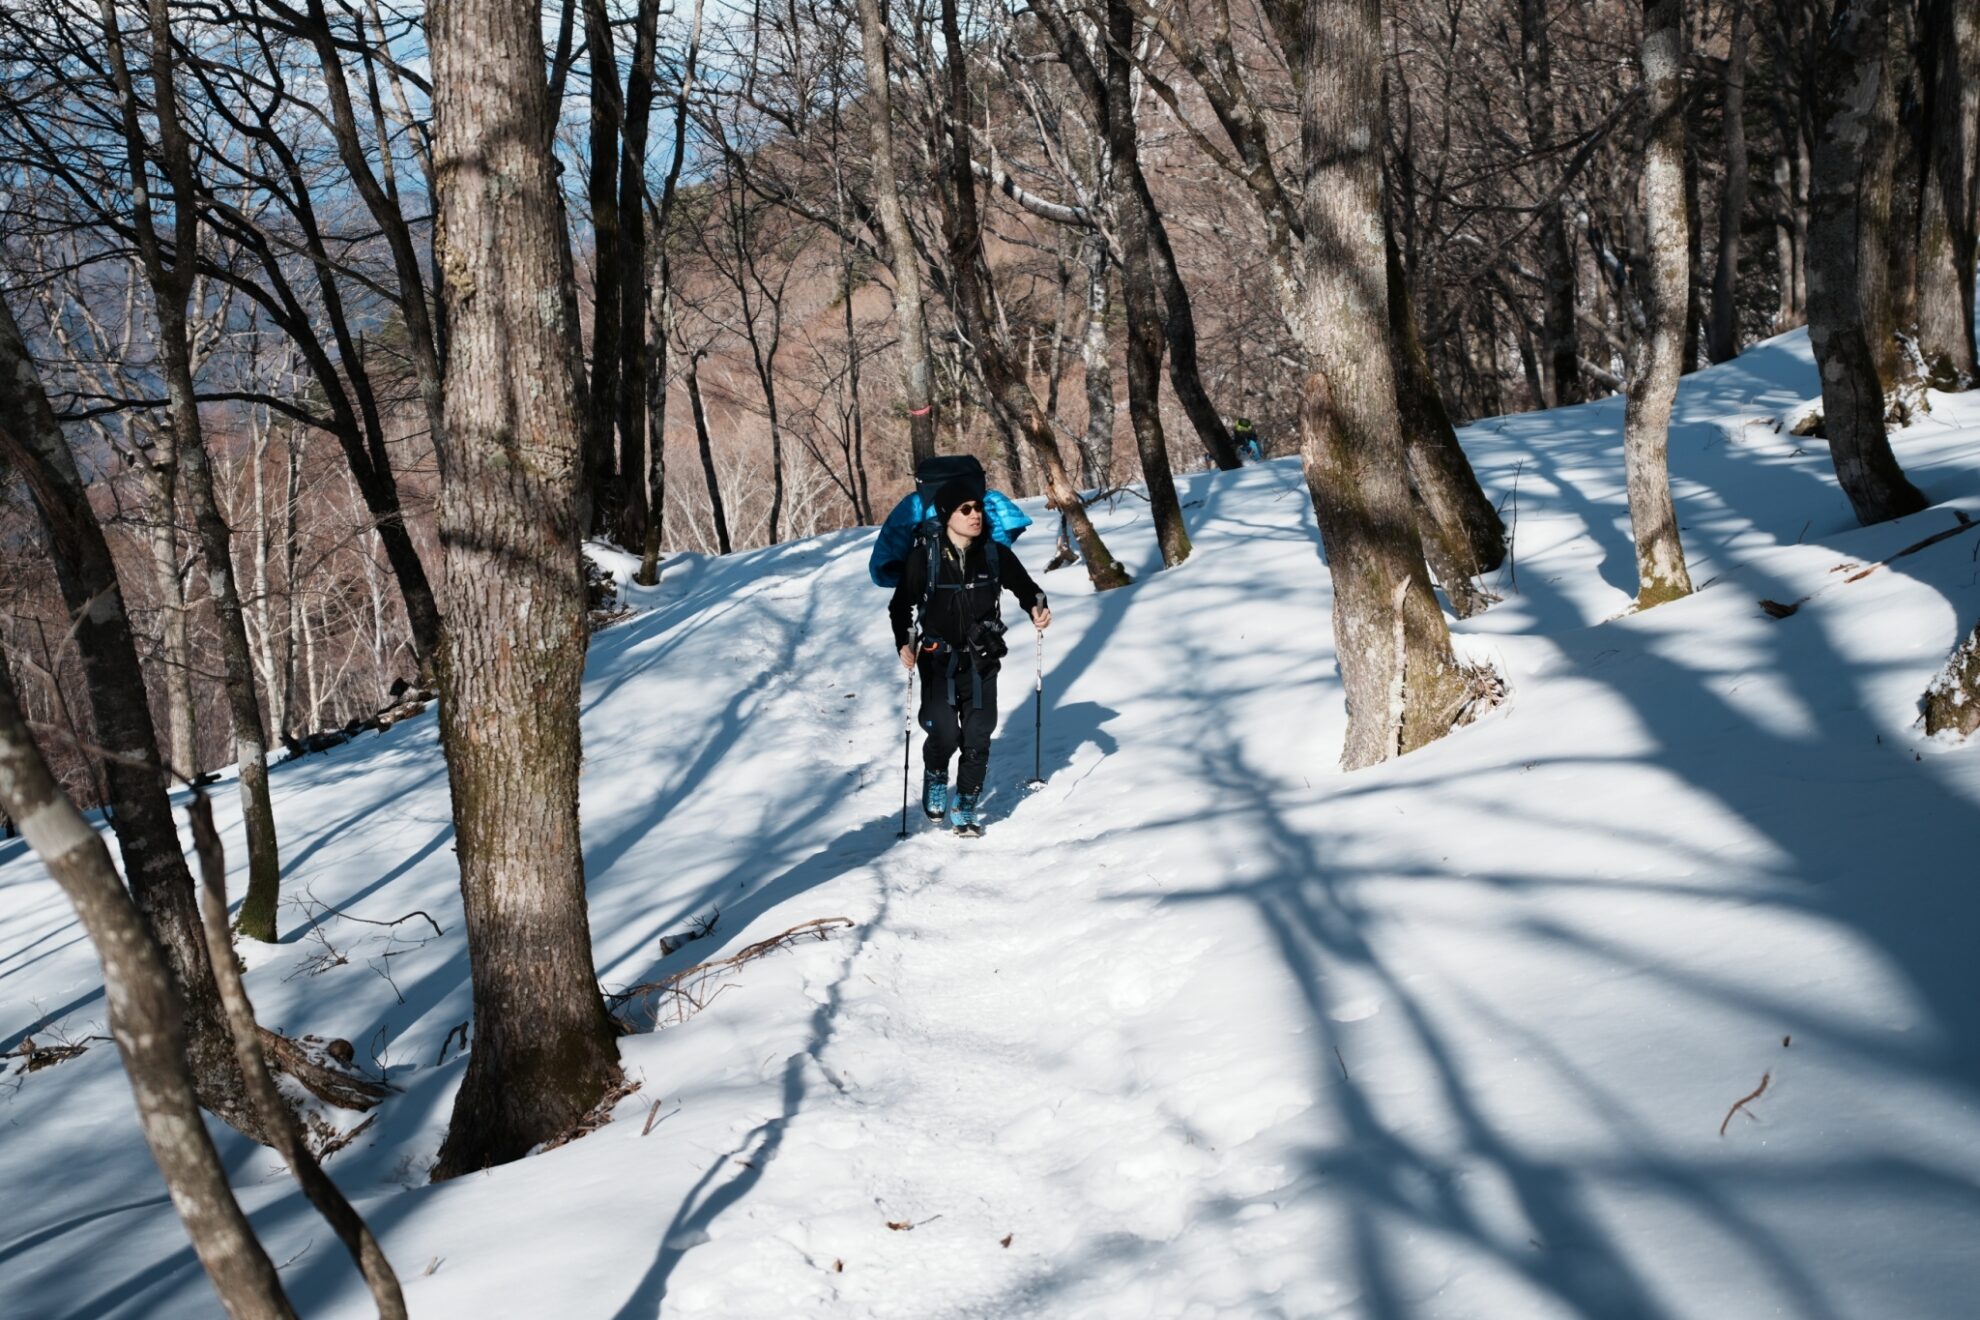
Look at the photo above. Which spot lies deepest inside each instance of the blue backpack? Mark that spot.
(911, 528)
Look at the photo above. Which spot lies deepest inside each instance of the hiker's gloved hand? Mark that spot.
(907, 657)
(1041, 615)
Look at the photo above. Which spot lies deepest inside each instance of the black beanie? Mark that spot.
(954, 493)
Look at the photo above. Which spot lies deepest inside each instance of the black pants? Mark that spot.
(965, 724)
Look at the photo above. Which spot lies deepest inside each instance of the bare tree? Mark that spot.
(1463, 538)
(1536, 71)
(1662, 282)
(1096, 355)
(1130, 182)
(513, 658)
(1849, 204)
(910, 317)
(1403, 682)
(146, 1021)
(758, 264)
(971, 296)
(704, 443)
(658, 312)
(1144, 317)
(1722, 337)
(636, 362)
(32, 442)
(1950, 207)
(171, 280)
(277, 1119)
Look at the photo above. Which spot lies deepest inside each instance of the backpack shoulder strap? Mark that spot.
(933, 564)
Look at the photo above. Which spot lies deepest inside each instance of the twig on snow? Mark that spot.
(1741, 1103)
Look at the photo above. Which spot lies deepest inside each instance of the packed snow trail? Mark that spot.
(1203, 1027)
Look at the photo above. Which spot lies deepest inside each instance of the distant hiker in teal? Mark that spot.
(958, 640)
(1248, 443)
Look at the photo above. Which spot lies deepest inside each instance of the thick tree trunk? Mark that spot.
(513, 661)
(1663, 282)
(1878, 208)
(969, 274)
(31, 440)
(1849, 201)
(1144, 309)
(602, 189)
(910, 314)
(146, 1021)
(1562, 351)
(1951, 195)
(1463, 536)
(1908, 148)
(1722, 338)
(1403, 682)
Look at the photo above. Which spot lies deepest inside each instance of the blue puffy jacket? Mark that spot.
(890, 548)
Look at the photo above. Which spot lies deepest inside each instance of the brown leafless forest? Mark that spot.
(332, 328)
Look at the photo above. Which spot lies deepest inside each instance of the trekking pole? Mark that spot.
(907, 740)
(1037, 780)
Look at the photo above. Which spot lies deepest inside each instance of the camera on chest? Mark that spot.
(986, 638)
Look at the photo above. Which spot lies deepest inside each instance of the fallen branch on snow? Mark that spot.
(1742, 1102)
(596, 1117)
(682, 985)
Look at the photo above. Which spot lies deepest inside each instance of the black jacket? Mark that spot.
(967, 592)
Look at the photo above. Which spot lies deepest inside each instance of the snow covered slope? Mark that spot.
(1204, 1027)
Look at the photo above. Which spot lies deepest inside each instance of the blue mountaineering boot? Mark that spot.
(962, 815)
(934, 794)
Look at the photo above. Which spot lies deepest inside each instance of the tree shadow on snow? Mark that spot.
(1877, 866)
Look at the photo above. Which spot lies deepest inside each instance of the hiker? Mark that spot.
(1249, 445)
(958, 642)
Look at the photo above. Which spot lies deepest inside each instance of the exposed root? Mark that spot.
(1484, 689)
(594, 1118)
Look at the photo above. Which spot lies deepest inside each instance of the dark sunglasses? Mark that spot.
(970, 507)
